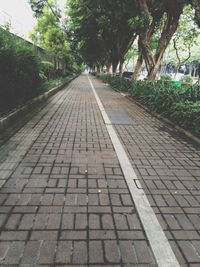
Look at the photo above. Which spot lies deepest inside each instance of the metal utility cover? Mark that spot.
(119, 116)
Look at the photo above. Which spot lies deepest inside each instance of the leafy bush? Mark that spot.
(187, 114)
(182, 105)
(19, 71)
(165, 77)
(46, 70)
(187, 79)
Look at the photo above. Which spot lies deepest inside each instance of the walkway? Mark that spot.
(70, 197)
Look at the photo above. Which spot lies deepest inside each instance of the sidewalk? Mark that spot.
(64, 198)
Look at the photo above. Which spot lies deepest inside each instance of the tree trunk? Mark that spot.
(114, 67)
(108, 65)
(146, 52)
(138, 66)
(199, 73)
(153, 61)
(196, 4)
(98, 69)
(121, 67)
(169, 29)
(154, 71)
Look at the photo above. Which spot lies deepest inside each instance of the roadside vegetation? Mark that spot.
(19, 71)
(29, 69)
(181, 105)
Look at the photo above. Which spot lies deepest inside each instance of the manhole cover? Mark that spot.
(119, 116)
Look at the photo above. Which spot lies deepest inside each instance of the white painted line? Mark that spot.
(161, 248)
(103, 112)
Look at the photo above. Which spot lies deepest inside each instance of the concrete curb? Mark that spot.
(159, 116)
(8, 120)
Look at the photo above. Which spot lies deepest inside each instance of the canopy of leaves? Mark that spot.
(101, 28)
(49, 34)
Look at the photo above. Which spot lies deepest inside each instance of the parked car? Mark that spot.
(127, 74)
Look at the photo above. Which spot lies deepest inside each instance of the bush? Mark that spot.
(165, 77)
(46, 70)
(182, 105)
(187, 79)
(187, 114)
(19, 71)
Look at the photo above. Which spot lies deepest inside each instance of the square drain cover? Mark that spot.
(119, 116)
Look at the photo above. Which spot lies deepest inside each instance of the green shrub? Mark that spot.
(19, 71)
(165, 77)
(47, 70)
(182, 105)
(187, 114)
(187, 79)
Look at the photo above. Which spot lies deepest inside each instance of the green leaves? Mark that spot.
(182, 105)
(19, 71)
(103, 27)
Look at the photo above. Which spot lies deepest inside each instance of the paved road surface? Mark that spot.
(65, 196)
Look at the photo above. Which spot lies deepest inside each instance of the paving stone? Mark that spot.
(14, 253)
(80, 252)
(112, 251)
(13, 235)
(96, 252)
(47, 252)
(81, 221)
(31, 253)
(189, 251)
(4, 247)
(64, 252)
(107, 221)
(127, 252)
(94, 221)
(26, 222)
(73, 235)
(44, 235)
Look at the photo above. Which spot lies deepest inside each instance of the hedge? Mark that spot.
(19, 71)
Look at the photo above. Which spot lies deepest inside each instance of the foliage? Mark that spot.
(50, 35)
(182, 105)
(19, 71)
(101, 30)
(39, 5)
(165, 77)
(187, 79)
(185, 37)
(49, 84)
(46, 69)
(187, 114)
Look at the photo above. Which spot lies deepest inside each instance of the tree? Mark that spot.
(118, 32)
(51, 36)
(185, 37)
(85, 33)
(130, 55)
(150, 13)
(102, 30)
(196, 5)
(38, 8)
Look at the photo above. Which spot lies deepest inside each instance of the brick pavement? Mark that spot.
(168, 167)
(64, 200)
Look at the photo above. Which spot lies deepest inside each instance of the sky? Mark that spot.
(19, 14)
